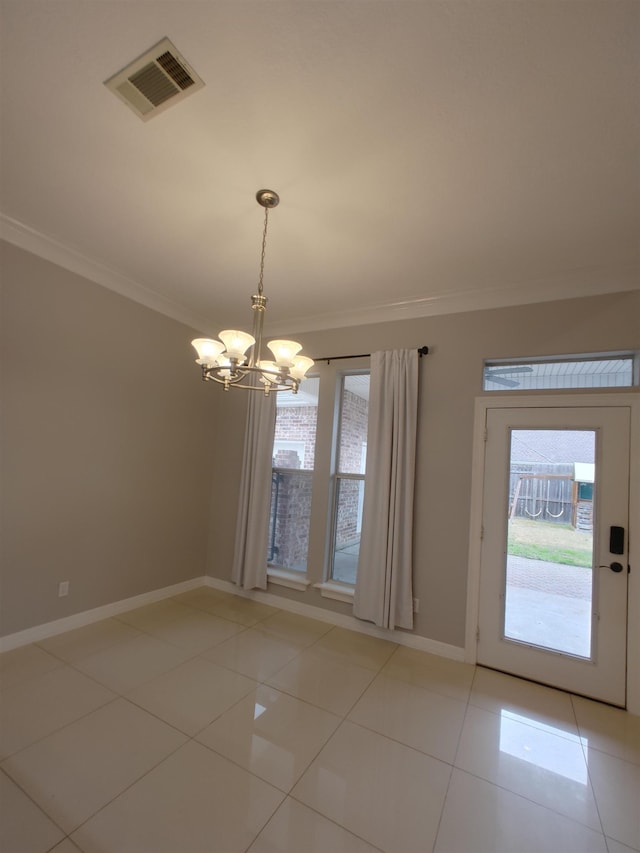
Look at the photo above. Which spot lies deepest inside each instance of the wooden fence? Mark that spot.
(543, 492)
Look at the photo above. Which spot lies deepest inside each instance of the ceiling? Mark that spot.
(430, 156)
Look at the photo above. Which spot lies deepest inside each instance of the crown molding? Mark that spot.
(570, 284)
(49, 249)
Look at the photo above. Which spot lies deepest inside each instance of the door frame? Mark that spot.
(579, 400)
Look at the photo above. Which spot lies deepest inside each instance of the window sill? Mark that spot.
(337, 591)
(292, 580)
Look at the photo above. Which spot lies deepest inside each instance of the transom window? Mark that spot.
(613, 370)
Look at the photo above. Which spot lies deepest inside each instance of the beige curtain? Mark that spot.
(384, 587)
(249, 568)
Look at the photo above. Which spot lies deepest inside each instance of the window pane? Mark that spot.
(349, 479)
(354, 415)
(348, 524)
(596, 372)
(294, 447)
(549, 577)
(289, 520)
(294, 444)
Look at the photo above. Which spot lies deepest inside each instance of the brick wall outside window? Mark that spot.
(298, 423)
(291, 490)
(353, 436)
(291, 493)
(289, 526)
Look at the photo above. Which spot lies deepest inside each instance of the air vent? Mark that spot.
(155, 81)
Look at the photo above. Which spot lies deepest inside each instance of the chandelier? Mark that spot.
(226, 361)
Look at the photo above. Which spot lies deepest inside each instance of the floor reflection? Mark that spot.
(527, 739)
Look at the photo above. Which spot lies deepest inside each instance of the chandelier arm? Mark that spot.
(281, 376)
(208, 375)
(268, 389)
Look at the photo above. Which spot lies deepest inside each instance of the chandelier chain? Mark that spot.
(264, 247)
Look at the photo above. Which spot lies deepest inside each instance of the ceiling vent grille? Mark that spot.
(156, 80)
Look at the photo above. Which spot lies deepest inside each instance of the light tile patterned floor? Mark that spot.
(212, 723)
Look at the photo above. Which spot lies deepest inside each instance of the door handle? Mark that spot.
(615, 567)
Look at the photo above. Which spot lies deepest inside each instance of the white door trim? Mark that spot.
(482, 405)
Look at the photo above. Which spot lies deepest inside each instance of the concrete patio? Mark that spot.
(548, 604)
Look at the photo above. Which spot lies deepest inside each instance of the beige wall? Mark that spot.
(451, 377)
(106, 472)
(109, 476)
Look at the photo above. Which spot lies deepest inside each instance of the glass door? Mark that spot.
(553, 581)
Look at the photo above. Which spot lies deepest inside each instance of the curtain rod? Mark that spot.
(421, 351)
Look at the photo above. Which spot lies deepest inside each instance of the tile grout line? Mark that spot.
(516, 793)
(454, 759)
(64, 725)
(126, 788)
(335, 823)
(589, 775)
(37, 805)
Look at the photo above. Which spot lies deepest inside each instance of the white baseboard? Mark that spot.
(342, 620)
(79, 620)
(86, 617)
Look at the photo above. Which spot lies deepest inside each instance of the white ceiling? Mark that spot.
(430, 156)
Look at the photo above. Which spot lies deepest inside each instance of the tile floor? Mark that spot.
(208, 722)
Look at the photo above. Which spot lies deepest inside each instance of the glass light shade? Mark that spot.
(224, 366)
(284, 352)
(300, 366)
(236, 343)
(208, 351)
(269, 365)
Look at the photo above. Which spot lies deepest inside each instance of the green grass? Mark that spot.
(565, 556)
(553, 543)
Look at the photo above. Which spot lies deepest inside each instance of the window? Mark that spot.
(349, 483)
(612, 370)
(317, 486)
(291, 477)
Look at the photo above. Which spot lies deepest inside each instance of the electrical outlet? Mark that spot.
(416, 605)
(63, 589)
